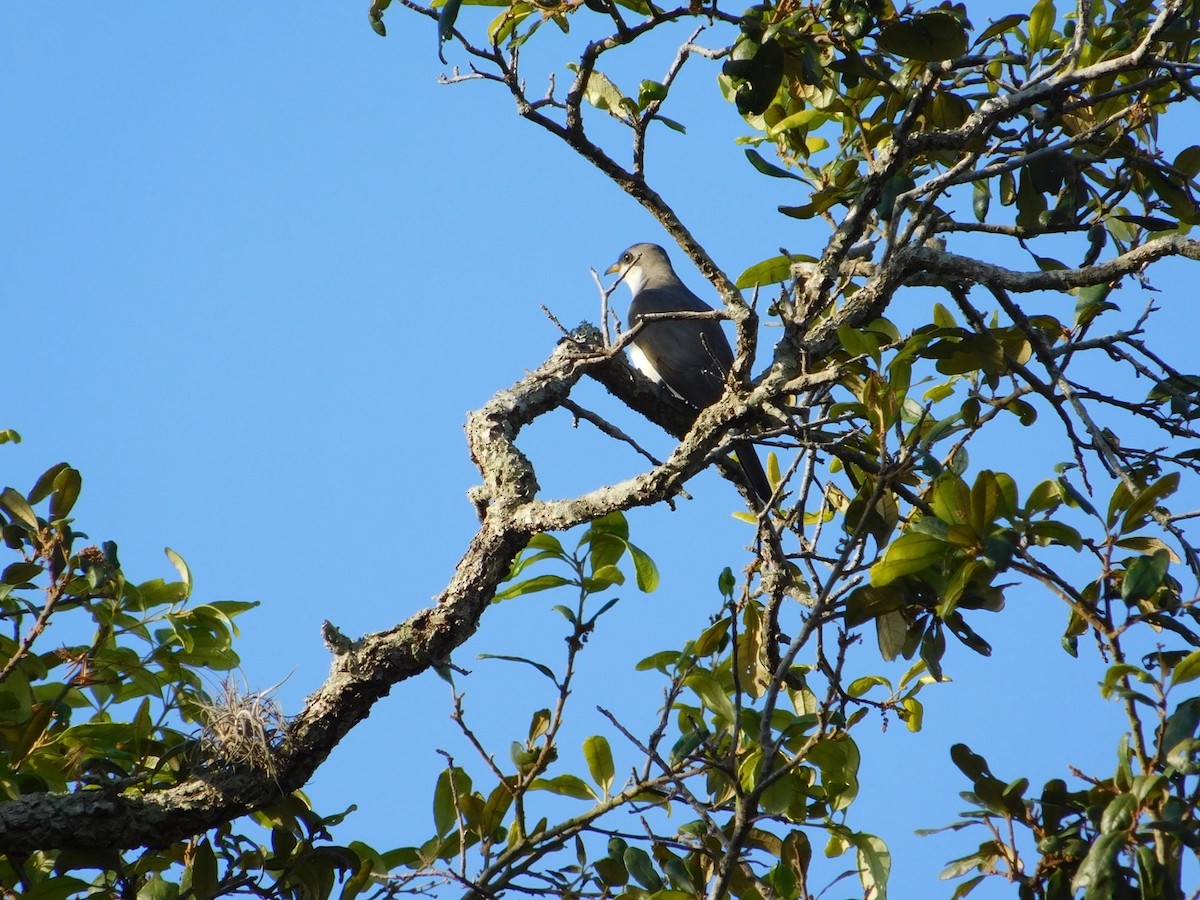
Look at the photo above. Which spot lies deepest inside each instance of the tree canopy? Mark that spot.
(970, 169)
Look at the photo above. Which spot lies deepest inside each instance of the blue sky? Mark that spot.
(257, 265)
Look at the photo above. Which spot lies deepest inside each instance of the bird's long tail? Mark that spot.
(756, 476)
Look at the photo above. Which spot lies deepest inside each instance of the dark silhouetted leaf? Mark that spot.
(927, 36)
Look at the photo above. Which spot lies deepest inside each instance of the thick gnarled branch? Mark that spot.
(366, 670)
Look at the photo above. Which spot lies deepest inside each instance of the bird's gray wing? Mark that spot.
(691, 356)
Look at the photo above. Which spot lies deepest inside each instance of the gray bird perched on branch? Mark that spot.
(690, 356)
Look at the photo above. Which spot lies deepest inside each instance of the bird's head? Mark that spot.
(643, 264)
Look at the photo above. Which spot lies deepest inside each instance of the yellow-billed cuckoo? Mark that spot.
(690, 356)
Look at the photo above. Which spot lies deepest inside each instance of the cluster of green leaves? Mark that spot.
(499, 824)
(775, 752)
(113, 706)
(138, 652)
(741, 768)
(828, 84)
(764, 757)
(1116, 837)
(918, 399)
(952, 546)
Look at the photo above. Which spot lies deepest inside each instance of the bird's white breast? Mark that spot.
(642, 363)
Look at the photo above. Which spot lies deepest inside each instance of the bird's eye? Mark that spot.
(627, 258)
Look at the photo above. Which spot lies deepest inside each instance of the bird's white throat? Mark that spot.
(635, 278)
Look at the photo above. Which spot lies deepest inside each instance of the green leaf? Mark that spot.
(1007, 23)
(1119, 813)
(712, 639)
(1098, 871)
(891, 630)
(1041, 25)
(204, 878)
(612, 872)
(565, 785)
(18, 507)
(860, 686)
(375, 16)
(545, 670)
(546, 542)
(1031, 203)
(1181, 724)
(1187, 669)
(45, 484)
(912, 713)
(603, 578)
(613, 523)
(971, 764)
(539, 724)
(926, 36)
(712, 695)
(952, 500)
(838, 760)
(663, 661)
(601, 93)
(67, 485)
(452, 784)
(158, 888)
(599, 760)
(981, 199)
(446, 19)
(1147, 500)
(1045, 497)
(807, 118)
(1090, 302)
(530, 586)
(679, 877)
(494, 810)
(767, 168)
(671, 123)
(758, 70)
(644, 569)
(1074, 498)
(1143, 576)
(7, 435)
(726, 583)
(909, 553)
(770, 271)
(638, 863)
(1188, 161)
(604, 549)
(1052, 532)
(892, 189)
(19, 573)
(185, 574)
(778, 796)
(874, 865)
(649, 92)
(1148, 546)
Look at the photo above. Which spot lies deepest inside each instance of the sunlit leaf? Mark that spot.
(531, 586)
(909, 553)
(18, 507)
(565, 785)
(1041, 24)
(599, 759)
